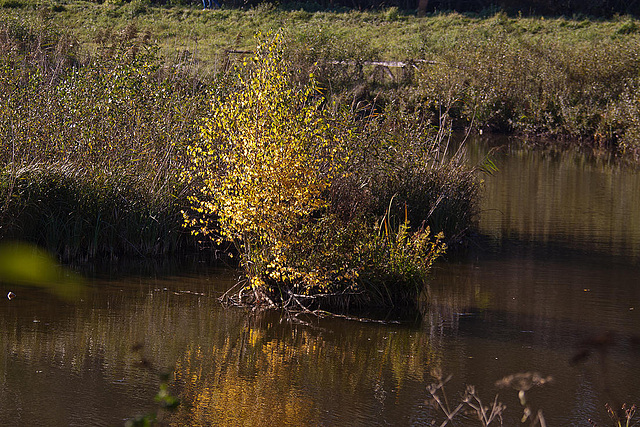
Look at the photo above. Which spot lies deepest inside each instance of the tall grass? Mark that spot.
(96, 140)
(565, 78)
(92, 142)
(78, 214)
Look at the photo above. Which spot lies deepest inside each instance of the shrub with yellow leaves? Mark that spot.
(265, 163)
(266, 157)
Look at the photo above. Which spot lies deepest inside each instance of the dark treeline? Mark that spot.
(526, 7)
(596, 8)
(602, 8)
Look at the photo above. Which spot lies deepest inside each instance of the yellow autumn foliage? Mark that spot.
(266, 156)
(264, 166)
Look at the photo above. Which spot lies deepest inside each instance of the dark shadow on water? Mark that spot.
(484, 247)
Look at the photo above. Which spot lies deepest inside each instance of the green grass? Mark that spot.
(391, 35)
(563, 78)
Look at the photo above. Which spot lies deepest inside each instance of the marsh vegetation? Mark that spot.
(111, 134)
(321, 158)
(107, 151)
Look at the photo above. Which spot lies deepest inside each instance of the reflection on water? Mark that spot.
(280, 374)
(230, 368)
(523, 302)
(561, 198)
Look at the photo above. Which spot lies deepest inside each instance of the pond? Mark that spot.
(556, 263)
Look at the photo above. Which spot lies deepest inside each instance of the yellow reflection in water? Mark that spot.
(258, 379)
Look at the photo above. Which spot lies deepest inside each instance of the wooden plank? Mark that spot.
(390, 64)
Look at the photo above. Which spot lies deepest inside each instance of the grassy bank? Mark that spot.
(569, 79)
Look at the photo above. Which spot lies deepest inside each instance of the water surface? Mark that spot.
(559, 263)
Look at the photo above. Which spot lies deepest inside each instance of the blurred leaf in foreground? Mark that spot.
(25, 264)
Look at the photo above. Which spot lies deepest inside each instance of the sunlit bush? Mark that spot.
(269, 162)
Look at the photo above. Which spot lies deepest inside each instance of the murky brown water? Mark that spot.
(561, 264)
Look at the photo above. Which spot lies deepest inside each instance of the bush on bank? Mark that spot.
(298, 188)
(325, 206)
